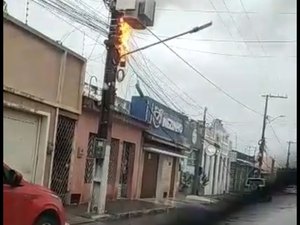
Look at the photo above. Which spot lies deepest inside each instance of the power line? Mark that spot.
(66, 35)
(226, 54)
(277, 138)
(223, 11)
(152, 113)
(94, 47)
(148, 84)
(192, 103)
(224, 24)
(204, 77)
(146, 60)
(236, 25)
(231, 55)
(71, 24)
(257, 37)
(163, 93)
(75, 13)
(227, 40)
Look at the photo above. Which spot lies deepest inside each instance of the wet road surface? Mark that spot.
(281, 211)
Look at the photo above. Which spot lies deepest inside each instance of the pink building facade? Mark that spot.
(124, 171)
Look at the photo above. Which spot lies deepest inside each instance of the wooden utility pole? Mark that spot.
(262, 142)
(196, 180)
(102, 143)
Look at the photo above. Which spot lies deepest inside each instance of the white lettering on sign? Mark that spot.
(172, 125)
(160, 118)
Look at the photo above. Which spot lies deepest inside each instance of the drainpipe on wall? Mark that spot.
(58, 99)
(53, 146)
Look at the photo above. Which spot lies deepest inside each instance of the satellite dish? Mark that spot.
(210, 150)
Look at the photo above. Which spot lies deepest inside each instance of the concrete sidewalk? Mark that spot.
(119, 209)
(124, 208)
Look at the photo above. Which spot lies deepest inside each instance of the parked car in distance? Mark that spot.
(258, 187)
(29, 204)
(292, 189)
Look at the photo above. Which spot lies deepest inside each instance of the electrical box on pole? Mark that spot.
(99, 148)
(139, 14)
(126, 5)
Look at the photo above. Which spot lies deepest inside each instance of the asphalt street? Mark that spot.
(282, 210)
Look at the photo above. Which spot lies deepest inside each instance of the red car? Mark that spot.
(29, 204)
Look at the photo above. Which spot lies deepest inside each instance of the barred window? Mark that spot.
(89, 164)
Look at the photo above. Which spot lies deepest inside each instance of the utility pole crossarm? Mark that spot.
(275, 96)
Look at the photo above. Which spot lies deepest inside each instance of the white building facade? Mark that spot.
(216, 165)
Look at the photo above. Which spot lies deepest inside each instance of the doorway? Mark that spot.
(149, 179)
(172, 182)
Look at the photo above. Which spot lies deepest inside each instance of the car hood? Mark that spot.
(37, 187)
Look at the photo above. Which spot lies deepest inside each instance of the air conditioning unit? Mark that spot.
(142, 15)
(147, 12)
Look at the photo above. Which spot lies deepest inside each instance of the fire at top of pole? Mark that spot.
(125, 32)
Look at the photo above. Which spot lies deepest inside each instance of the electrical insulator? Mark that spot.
(122, 62)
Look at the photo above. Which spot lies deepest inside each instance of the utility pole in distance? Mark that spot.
(262, 141)
(289, 153)
(196, 180)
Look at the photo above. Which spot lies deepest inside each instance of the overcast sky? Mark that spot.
(240, 68)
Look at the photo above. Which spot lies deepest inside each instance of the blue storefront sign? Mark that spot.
(166, 123)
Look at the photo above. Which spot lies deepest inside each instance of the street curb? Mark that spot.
(135, 214)
(132, 214)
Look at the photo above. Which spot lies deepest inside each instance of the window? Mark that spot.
(192, 159)
(89, 165)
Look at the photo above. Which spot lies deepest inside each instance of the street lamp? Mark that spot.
(270, 121)
(194, 30)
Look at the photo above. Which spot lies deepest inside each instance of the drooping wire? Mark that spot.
(250, 22)
(204, 77)
(236, 26)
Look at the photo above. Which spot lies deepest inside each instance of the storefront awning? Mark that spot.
(165, 152)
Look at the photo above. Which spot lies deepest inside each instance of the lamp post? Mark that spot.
(270, 121)
(90, 82)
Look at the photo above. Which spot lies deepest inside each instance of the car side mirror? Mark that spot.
(15, 178)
